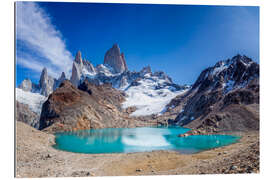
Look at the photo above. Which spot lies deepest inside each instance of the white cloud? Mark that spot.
(34, 28)
(35, 65)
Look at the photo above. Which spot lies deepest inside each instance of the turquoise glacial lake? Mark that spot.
(141, 139)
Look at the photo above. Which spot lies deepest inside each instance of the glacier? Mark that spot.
(147, 99)
(33, 100)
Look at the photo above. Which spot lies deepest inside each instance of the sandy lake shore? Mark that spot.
(35, 157)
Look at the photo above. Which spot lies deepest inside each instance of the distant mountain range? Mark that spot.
(145, 93)
(152, 88)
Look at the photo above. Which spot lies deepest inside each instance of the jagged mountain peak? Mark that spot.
(115, 59)
(146, 70)
(228, 74)
(78, 57)
(44, 74)
(116, 46)
(63, 75)
(46, 85)
(236, 79)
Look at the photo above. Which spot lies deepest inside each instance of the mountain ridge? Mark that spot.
(153, 95)
(229, 84)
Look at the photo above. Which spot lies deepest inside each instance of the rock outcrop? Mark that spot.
(88, 106)
(115, 59)
(76, 74)
(224, 97)
(46, 83)
(27, 85)
(26, 115)
(80, 69)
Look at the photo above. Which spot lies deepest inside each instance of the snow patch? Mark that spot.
(88, 74)
(229, 85)
(184, 117)
(106, 70)
(217, 70)
(147, 99)
(33, 100)
(142, 137)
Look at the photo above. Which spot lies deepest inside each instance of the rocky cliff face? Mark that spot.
(26, 115)
(59, 80)
(88, 106)
(115, 59)
(225, 96)
(80, 69)
(27, 85)
(228, 85)
(46, 85)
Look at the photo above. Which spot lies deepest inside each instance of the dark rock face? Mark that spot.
(24, 114)
(231, 83)
(231, 73)
(84, 87)
(58, 81)
(233, 117)
(240, 97)
(115, 59)
(90, 106)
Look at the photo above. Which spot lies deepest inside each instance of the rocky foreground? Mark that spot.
(35, 157)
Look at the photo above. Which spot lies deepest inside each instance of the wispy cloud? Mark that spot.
(35, 65)
(35, 30)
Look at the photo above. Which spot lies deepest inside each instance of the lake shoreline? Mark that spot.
(37, 158)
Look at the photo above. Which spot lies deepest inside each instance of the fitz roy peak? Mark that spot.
(148, 91)
(114, 63)
(116, 59)
(143, 88)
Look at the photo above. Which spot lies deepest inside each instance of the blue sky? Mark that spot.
(180, 40)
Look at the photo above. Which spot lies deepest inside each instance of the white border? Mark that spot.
(7, 85)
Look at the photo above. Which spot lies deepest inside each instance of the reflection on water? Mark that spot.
(149, 137)
(124, 140)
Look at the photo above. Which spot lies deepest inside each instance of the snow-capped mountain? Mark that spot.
(232, 81)
(228, 74)
(148, 92)
(33, 100)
